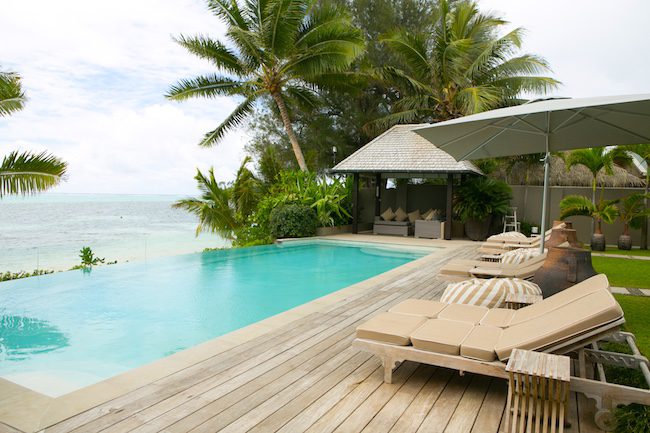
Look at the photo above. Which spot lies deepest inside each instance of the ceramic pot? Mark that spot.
(625, 242)
(598, 242)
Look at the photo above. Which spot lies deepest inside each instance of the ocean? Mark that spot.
(47, 231)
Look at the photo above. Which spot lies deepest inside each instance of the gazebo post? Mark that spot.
(355, 203)
(377, 194)
(450, 193)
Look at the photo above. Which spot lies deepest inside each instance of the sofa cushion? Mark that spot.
(441, 336)
(419, 307)
(414, 216)
(400, 215)
(388, 214)
(480, 343)
(427, 214)
(390, 328)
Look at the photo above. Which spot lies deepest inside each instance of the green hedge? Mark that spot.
(293, 221)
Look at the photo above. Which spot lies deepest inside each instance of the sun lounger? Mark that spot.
(511, 240)
(459, 270)
(480, 340)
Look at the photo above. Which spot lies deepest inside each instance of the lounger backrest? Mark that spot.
(584, 314)
(573, 293)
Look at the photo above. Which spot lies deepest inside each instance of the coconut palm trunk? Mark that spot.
(284, 114)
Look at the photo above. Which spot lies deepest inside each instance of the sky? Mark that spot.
(96, 73)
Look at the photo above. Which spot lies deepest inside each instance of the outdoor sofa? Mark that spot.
(511, 240)
(480, 340)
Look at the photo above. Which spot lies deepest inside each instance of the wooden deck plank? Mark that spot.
(492, 410)
(411, 419)
(470, 404)
(384, 420)
(443, 409)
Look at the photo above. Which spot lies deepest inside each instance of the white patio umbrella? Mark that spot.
(544, 126)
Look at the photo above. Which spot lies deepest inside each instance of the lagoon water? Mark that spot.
(48, 230)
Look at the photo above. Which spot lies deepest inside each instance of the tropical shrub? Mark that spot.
(481, 197)
(604, 211)
(6, 276)
(88, 258)
(329, 198)
(293, 221)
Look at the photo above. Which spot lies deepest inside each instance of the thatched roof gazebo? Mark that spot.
(400, 153)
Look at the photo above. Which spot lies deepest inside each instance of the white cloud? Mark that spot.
(96, 73)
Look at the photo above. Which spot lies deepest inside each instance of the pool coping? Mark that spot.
(31, 411)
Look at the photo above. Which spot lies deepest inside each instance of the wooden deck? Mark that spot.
(307, 377)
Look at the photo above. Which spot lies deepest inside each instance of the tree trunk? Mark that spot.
(644, 226)
(284, 113)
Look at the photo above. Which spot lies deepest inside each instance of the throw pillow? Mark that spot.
(489, 293)
(388, 215)
(414, 216)
(400, 215)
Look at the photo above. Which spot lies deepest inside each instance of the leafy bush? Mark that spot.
(6, 276)
(329, 198)
(634, 418)
(481, 197)
(293, 221)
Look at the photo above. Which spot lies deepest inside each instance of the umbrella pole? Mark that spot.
(547, 163)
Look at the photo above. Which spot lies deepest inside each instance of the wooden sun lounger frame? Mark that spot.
(606, 395)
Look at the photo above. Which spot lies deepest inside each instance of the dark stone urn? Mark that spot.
(566, 264)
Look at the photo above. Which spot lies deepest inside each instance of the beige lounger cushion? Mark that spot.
(577, 317)
(463, 313)
(499, 317)
(490, 293)
(419, 307)
(390, 328)
(441, 336)
(480, 343)
(573, 293)
(506, 237)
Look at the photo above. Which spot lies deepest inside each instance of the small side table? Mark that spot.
(538, 392)
(515, 301)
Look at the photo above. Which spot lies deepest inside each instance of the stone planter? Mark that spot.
(337, 230)
(625, 242)
(598, 242)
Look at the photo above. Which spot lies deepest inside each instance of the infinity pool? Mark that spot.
(63, 331)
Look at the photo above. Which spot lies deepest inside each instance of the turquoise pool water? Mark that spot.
(63, 331)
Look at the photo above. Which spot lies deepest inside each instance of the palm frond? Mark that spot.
(229, 11)
(208, 86)
(12, 97)
(281, 24)
(573, 205)
(233, 120)
(412, 48)
(28, 173)
(214, 51)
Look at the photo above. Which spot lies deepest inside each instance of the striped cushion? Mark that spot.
(519, 255)
(489, 293)
(507, 237)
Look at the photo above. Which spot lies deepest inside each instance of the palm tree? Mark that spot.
(460, 66)
(597, 160)
(527, 161)
(24, 172)
(223, 208)
(604, 211)
(643, 151)
(632, 213)
(284, 49)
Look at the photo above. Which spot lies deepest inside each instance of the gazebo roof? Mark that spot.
(401, 151)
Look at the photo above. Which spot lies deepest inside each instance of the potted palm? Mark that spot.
(479, 200)
(604, 211)
(632, 213)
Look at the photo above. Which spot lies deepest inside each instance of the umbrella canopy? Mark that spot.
(544, 126)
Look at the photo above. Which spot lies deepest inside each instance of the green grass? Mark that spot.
(624, 272)
(632, 252)
(637, 313)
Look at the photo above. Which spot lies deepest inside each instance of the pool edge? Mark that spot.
(19, 405)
